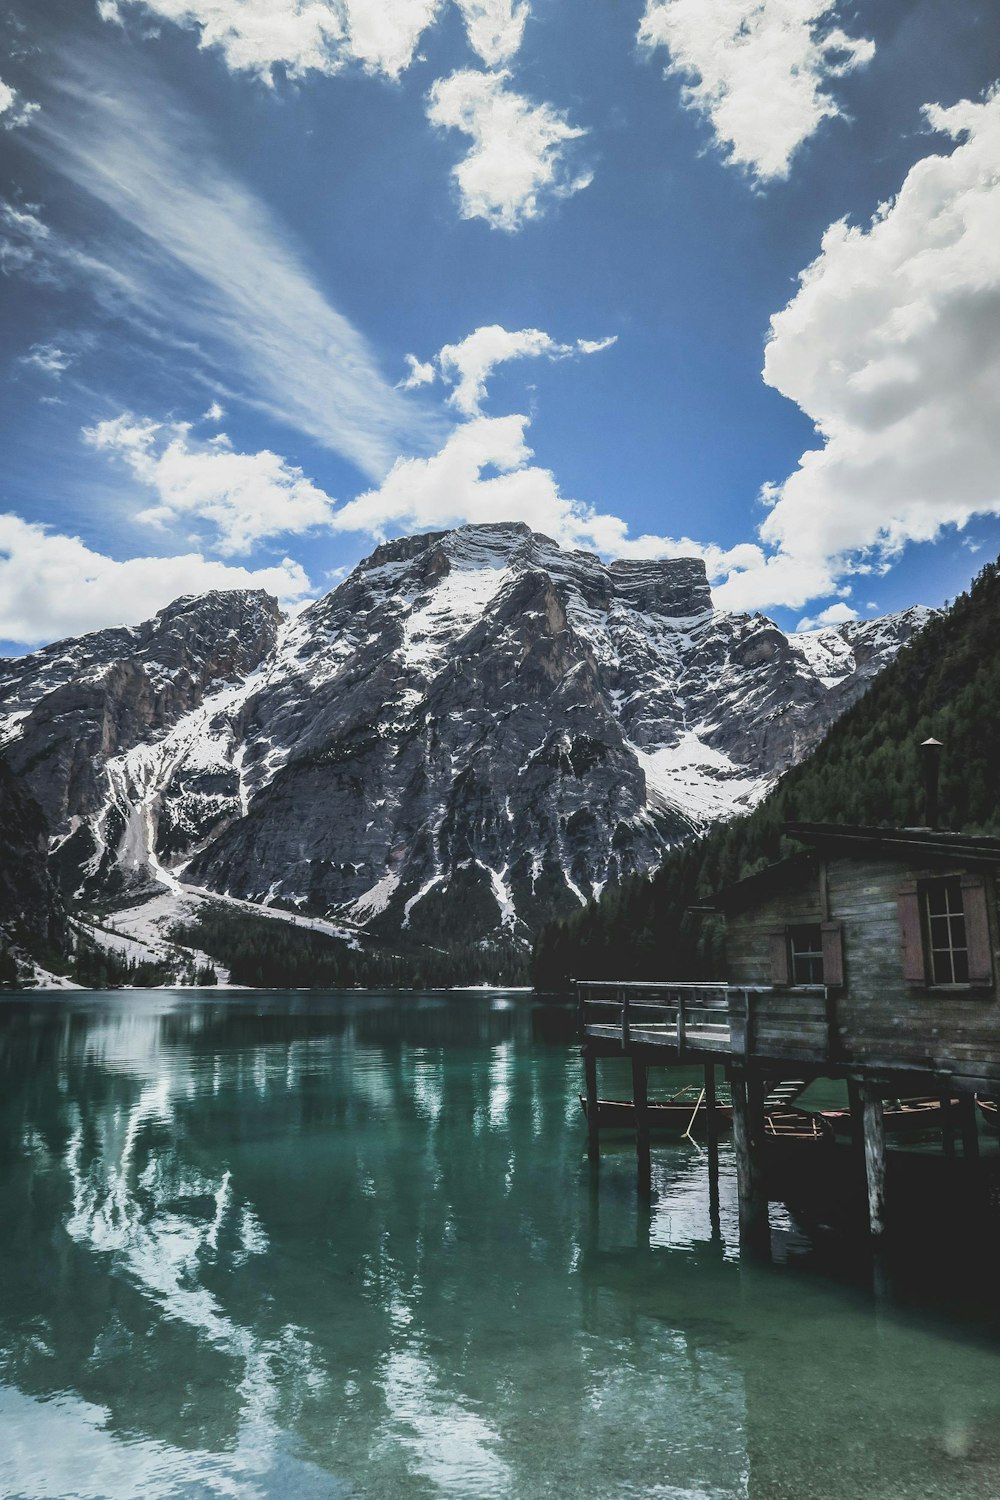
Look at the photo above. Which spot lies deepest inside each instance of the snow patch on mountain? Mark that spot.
(475, 731)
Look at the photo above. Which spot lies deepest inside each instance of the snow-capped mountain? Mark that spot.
(475, 731)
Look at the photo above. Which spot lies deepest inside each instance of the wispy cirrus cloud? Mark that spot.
(48, 359)
(759, 70)
(467, 365)
(205, 262)
(54, 585)
(519, 160)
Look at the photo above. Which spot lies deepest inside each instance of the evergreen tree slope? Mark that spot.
(945, 683)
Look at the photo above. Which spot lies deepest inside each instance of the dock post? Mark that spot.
(967, 1124)
(711, 1118)
(947, 1124)
(593, 1125)
(712, 1136)
(857, 1118)
(748, 1118)
(874, 1131)
(640, 1102)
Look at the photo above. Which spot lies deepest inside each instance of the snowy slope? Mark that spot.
(476, 730)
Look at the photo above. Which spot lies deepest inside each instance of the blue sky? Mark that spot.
(283, 277)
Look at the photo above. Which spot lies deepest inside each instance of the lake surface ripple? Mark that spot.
(349, 1245)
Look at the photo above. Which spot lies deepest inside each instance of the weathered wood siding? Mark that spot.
(877, 1017)
(881, 1016)
(748, 933)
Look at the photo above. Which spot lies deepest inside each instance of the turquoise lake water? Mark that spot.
(275, 1245)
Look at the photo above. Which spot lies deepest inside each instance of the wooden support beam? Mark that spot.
(593, 1127)
(711, 1118)
(874, 1135)
(969, 1126)
(947, 1124)
(640, 1101)
(748, 1140)
(855, 1101)
(712, 1129)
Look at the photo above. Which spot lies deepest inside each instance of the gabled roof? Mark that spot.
(924, 844)
(918, 846)
(757, 887)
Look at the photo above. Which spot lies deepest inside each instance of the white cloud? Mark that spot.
(757, 69)
(449, 490)
(324, 36)
(214, 413)
(244, 497)
(301, 36)
(23, 238)
(468, 364)
(892, 346)
(495, 28)
(836, 614)
(52, 585)
(48, 358)
(204, 262)
(14, 111)
(518, 155)
(420, 374)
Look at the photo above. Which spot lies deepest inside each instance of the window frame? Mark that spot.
(918, 937)
(830, 953)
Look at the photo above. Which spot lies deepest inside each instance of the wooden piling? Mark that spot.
(711, 1118)
(874, 1133)
(748, 1140)
(593, 1126)
(712, 1129)
(947, 1124)
(968, 1126)
(640, 1102)
(857, 1119)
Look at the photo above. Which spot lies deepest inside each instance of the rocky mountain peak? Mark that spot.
(476, 729)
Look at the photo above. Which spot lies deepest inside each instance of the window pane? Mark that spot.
(945, 932)
(942, 968)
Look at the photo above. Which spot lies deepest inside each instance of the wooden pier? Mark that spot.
(760, 1036)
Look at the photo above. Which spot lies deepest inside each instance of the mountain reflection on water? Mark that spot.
(349, 1245)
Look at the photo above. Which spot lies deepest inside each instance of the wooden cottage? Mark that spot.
(879, 947)
(872, 956)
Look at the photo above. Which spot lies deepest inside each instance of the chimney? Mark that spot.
(930, 760)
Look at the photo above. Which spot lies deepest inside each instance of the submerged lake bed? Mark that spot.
(349, 1244)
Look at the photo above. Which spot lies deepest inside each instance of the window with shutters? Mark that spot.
(945, 930)
(807, 953)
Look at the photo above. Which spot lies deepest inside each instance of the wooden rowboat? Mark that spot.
(988, 1110)
(675, 1115)
(900, 1117)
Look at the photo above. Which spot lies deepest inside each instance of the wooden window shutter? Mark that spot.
(977, 929)
(833, 954)
(778, 947)
(908, 907)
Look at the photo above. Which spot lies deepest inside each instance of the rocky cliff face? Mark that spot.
(30, 909)
(475, 731)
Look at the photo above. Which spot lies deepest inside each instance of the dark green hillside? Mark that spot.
(945, 683)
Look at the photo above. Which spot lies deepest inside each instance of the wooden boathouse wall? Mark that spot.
(872, 1013)
(881, 1018)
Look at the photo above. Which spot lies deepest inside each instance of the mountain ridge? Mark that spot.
(475, 724)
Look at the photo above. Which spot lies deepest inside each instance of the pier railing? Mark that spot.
(738, 1021)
